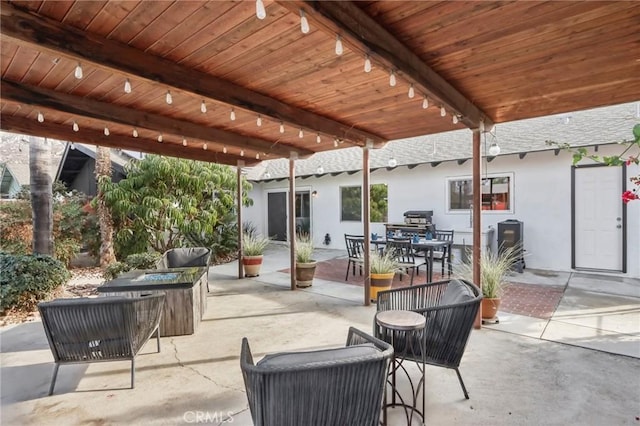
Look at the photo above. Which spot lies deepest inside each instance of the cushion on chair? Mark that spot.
(308, 359)
(456, 292)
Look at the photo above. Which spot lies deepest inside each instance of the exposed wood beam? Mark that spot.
(27, 126)
(44, 33)
(83, 107)
(363, 34)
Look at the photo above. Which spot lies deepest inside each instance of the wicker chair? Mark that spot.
(450, 308)
(342, 386)
(100, 329)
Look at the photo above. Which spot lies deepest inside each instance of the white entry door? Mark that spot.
(598, 224)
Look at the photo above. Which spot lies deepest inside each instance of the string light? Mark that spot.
(443, 112)
(392, 78)
(412, 92)
(169, 98)
(281, 127)
(318, 140)
(242, 153)
(454, 119)
(135, 132)
(257, 156)
(127, 86)
(160, 137)
(203, 107)
(40, 117)
(204, 146)
(304, 23)
(339, 48)
(106, 131)
(78, 72)
(301, 134)
(335, 143)
(425, 103)
(184, 142)
(75, 127)
(320, 170)
(72, 146)
(392, 162)
(261, 13)
(494, 149)
(259, 121)
(367, 64)
(232, 116)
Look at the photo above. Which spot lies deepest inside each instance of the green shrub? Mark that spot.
(28, 279)
(133, 261)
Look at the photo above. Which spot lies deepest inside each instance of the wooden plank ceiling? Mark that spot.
(483, 62)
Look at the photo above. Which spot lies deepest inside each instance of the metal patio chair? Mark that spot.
(355, 252)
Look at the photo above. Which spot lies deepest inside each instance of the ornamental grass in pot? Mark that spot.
(305, 264)
(253, 246)
(383, 267)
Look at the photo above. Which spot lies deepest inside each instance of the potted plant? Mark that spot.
(383, 268)
(253, 246)
(305, 264)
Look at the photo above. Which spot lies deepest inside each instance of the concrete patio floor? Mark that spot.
(522, 371)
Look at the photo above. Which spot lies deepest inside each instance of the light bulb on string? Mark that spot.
(40, 117)
(232, 116)
(184, 142)
(72, 146)
(242, 153)
(412, 92)
(443, 112)
(78, 71)
(261, 13)
(135, 132)
(339, 48)
(320, 170)
(75, 127)
(204, 146)
(224, 149)
(160, 137)
(281, 127)
(257, 156)
(106, 131)
(127, 86)
(367, 64)
(425, 103)
(259, 121)
(494, 149)
(454, 119)
(304, 23)
(335, 143)
(203, 107)
(392, 162)
(318, 140)
(392, 79)
(301, 134)
(168, 97)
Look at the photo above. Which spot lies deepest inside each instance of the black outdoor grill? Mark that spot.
(511, 235)
(418, 217)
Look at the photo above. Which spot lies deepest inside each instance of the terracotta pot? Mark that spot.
(251, 265)
(380, 282)
(305, 273)
(490, 308)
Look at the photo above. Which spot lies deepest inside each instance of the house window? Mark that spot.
(497, 193)
(351, 203)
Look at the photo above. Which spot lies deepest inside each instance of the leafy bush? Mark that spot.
(133, 261)
(27, 279)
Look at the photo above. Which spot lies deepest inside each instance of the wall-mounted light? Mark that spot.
(314, 194)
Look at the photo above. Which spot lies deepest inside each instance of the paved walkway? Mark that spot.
(522, 371)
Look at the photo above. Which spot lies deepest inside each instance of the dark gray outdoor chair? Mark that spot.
(100, 329)
(184, 257)
(450, 308)
(341, 386)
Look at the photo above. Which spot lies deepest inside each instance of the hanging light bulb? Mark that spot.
(106, 131)
(232, 116)
(127, 86)
(392, 79)
(242, 153)
(339, 48)
(425, 103)
(281, 127)
(335, 143)
(40, 117)
(184, 142)
(261, 13)
(454, 119)
(75, 127)
(412, 92)
(320, 170)
(203, 107)
(78, 72)
(135, 132)
(392, 162)
(318, 140)
(367, 64)
(160, 137)
(301, 134)
(494, 149)
(204, 146)
(72, 146)
(259, 121)
(304, 23)
(224, 149)
(443, 112)
(169, 98)
(257, 156)
(267, 175)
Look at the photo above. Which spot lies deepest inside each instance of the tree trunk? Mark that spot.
(41, 195)
(103, 171)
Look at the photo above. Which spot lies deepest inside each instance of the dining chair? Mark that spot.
(355, 252)
(442, 254)
(404, 254)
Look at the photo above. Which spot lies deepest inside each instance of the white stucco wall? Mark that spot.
(542, 200)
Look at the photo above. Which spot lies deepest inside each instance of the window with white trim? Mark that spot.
(497, 193)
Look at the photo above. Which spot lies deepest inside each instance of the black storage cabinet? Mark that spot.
(511, 234)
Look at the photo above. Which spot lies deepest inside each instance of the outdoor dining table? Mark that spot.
(427, 246)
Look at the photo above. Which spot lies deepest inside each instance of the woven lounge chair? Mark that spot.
(450, 308)
(341, 386)
(100, 329)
